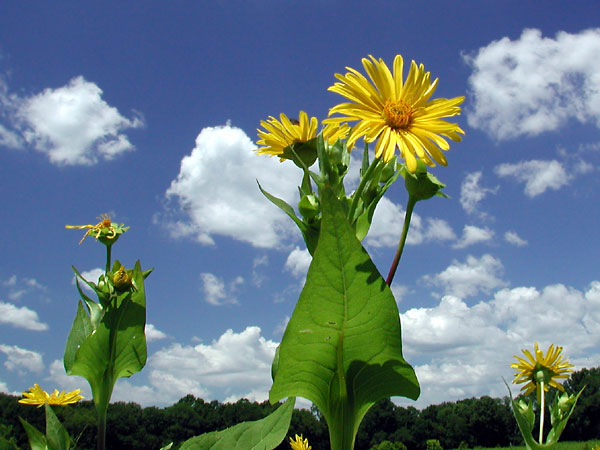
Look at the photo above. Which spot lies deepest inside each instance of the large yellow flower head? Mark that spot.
(37, 396)
(398, 113)
(299, 443)
(541, 368)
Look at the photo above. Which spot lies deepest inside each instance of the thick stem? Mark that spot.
(409, 210)
(101, 441)
(542, 408)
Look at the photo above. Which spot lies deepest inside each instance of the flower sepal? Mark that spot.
(421, 184)
(302, 154)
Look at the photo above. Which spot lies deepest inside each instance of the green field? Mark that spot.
(561, 446)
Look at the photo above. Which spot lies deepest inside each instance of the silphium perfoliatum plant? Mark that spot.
(107, 340)
(538, 372)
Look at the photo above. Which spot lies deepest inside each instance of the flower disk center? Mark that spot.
(397, 114)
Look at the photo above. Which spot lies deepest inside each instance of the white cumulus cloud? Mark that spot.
(21, 317)
(513, 238)
(472, 193)
(216, 292)
(469, 278)
(71, 124)
(535, 84)
(217, 193)
(297, 262)
(462, 351)
(473, 235)
(538, 176)
(388, 221)
(153, 333)
(21, 360)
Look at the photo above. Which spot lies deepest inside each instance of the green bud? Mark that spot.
(303, 154)
(309, 206)
(422, 185)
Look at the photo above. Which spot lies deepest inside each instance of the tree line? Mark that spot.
(485, 421)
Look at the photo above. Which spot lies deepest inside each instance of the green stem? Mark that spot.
(365, 179)
(409, 210)
(542, 407)
(108, 248)
(101, 442)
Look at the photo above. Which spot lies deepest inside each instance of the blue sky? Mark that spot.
(148, 111)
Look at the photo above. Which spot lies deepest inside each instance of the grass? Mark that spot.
(560, 446)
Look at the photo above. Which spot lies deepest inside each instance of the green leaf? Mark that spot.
(264, 434)
(525, 425)
(57, 436)
(81, 329)
(117, 348)
(560, 414)
(37, 440)
(342, 348)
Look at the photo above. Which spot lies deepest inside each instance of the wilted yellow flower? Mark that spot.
(282, 133)
(397, 113)
(105, 229)
(37, 396)
(540, 368)
(122, 280)
(299, 444)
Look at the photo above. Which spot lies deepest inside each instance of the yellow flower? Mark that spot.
(105, 230)
(122, 280)
(397, 113)
(37, 396)
(282, 133)
(546, 369)
(299, 444)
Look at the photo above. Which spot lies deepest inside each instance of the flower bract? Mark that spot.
(397, 113)
(37, 396)
(299, 443)
(106, 231)
(538, 368)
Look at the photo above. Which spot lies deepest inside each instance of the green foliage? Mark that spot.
(56, 437)
(389, 445)
(433, 444)
(109, 342)
(342, 347)
(264, 434)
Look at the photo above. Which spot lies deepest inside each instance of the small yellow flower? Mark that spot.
(397, 113)
(299, 444)
(103, 230)
(282, 133)
(540, 368)
(37, 396)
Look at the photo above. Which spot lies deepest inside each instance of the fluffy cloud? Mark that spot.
(513, 238)
(215, 291)
(153, 333)
(217, 193)
(18, 287)
(535, 84)
(472, 193)
(469, 278)
(21, 317)
(21, 360)
(387, 227)
(460, 351)
(473, 235)
(297, 262)
(71, 124)
(538, 176)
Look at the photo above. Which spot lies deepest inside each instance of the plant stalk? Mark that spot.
(542, 408)
(409, 210)
(108, 248)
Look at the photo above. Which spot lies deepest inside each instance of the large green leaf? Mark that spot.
(264, 434)
(342, 348)
(116, 348)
